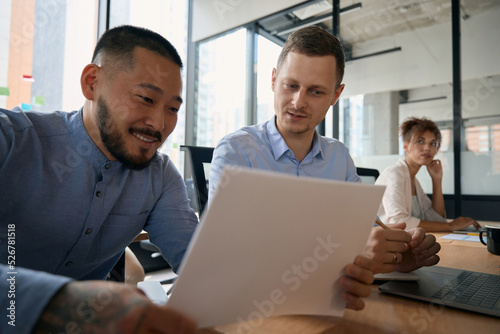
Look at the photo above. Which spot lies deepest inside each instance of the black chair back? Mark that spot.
(367, 175)
(200, 158)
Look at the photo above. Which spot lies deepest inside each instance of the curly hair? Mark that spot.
(415, 126)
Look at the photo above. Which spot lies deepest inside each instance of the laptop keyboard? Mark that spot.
(472, 288)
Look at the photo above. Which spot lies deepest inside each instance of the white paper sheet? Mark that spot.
(273, 244)
(464, 237)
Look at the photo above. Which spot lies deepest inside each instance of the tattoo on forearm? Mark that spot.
(93, 307)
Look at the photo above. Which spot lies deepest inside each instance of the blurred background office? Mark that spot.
(433, 58)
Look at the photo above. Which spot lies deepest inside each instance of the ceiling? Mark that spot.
(361, 20)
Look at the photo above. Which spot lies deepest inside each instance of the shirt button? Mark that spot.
(69, 263)
(88, 231)
(107, 166)
(98, 194)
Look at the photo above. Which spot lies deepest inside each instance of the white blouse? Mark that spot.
(396, 206)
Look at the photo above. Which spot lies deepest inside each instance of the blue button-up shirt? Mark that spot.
(262, 146)
(73, 210)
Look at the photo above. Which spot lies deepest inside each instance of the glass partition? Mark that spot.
(481, 98)
(399, 66)
(481, 156)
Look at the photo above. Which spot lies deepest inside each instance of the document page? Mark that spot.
(273, 244)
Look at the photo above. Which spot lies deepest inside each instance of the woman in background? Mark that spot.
(404, 199)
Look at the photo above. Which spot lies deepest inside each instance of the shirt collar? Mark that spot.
(316, 150)
(279, 146)
(84, 143)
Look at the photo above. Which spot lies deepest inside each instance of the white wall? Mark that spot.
(212, 17)
(480, 98)
(437, 110)
(425, 58)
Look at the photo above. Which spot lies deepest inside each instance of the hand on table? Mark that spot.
(108, 307)
(462, 222)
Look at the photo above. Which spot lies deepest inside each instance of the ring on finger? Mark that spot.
(394, 258)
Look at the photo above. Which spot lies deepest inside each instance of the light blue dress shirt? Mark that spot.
(262, 146)
(74, 211)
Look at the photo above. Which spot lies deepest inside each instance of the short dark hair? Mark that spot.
(314, 41)
(120, 42)
(415, 126)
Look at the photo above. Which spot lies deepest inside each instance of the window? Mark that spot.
(267, 58)
(44, 53)
(50, 43)
(221, 84)
(169, 18)
(352, 116)
(480, 100)
(481, 156)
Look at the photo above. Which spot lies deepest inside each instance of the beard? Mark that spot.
(115, 143)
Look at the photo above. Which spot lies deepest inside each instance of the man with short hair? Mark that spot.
(306, 82)
(76, 188)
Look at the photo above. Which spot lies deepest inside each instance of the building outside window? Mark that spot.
(43, 51)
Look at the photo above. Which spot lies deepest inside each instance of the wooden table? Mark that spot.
(141, 236)
(389, 314)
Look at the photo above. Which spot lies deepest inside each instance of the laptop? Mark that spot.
(273, 244)
(461, 289)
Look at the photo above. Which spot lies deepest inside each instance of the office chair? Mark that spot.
(367, 175)
(200, 158)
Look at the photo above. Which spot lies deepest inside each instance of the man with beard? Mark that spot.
(76, 188)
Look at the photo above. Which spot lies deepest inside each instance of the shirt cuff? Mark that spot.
(26, 294)
(412, 223)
